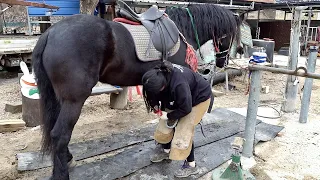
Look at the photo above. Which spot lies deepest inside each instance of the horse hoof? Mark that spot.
(72, 164)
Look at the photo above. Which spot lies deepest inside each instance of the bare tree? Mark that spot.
(88, 6)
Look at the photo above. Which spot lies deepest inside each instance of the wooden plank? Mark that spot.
(262, 1)
(134, 163)
(208, 157)
(86, 149)
(137, 160)
(217, 125)
(105, 89)
(26, 3)
(10, 125)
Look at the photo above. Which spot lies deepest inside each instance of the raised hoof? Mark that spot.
(72, 164)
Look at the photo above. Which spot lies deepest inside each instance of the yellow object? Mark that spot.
(182, 136)
(163, 134)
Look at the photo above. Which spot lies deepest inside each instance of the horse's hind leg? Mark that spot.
(72, 100)
(61, 134)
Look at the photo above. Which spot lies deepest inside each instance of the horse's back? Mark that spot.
(76, 49)
(83, 39)
(81, 27)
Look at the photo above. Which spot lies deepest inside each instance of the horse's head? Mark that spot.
(223, 44)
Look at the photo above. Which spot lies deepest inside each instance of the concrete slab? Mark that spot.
(282, 61)
(262, 111)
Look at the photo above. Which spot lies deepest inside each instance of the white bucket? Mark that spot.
(28, 83)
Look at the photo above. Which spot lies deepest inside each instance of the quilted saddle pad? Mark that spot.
(141, 38)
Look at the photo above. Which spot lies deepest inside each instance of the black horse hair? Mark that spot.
(217, 20)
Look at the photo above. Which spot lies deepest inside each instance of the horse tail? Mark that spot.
(49, 104)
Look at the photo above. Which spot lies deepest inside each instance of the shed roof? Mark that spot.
(26, 3)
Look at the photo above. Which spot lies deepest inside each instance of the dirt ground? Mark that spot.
(293, 155)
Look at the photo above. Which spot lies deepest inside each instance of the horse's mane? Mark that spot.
(213, 19)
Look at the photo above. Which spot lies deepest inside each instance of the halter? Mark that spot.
(215, 46)
(227, 53)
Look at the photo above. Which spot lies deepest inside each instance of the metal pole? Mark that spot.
(257, 28)
(165, 3)
(291, 86)
(253, 102)
(312, 60)
(29, 23)
(308, 26)
(285, 71)
(227, 82)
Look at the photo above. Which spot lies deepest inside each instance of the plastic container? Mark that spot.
(258, 57)
(28, 83)
(268, 46)
(30, 97)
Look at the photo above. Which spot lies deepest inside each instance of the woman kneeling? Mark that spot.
(185, 96)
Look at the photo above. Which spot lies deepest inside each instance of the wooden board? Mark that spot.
(86, 149)
(135, 164)
(10, 125)
(220, 123)
(208, 157)
(137, 160)
(263, 1)
(105, 89)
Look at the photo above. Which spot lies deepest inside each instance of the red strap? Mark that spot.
(138, 91)
(130, 94)
(159, 112)
(215, 44)
(127, 21)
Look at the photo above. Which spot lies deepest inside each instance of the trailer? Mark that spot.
(16, 48)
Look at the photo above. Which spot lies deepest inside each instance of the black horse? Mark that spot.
(78, 51)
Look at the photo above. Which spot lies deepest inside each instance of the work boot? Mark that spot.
(172, 123)
(159, 156)
(186, 170)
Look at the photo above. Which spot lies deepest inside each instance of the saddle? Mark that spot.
(163, 31)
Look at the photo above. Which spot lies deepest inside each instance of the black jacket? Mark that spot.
(186, 89)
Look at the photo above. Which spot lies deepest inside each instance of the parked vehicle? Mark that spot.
(16, 48)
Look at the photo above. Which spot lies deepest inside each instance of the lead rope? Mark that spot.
(202, 130)
(191, 48)
(198, 43)
(195, 31)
